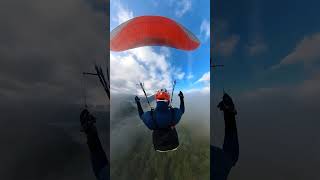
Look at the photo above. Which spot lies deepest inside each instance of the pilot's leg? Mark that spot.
(98, 156)
(99, 159)
(231, 144)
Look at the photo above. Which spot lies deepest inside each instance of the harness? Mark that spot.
(154, 120)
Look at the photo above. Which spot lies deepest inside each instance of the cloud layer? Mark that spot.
(306, 52)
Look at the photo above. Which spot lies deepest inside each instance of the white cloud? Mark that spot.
(122, 13)
(227, 46)
(306, 90)
(205, 29)
(165, 51)
(306, 51)
(205, 78)
(182, 7)
(203, 90)
(145, 65)
(179, 75)
(256, 47)
(190, 76)
(226, 41)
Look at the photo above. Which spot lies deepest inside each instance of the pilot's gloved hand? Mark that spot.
(181, 95)
(137, 99)
(227, 105)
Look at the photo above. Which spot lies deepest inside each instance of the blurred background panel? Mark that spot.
(272, 71)
(44, 48)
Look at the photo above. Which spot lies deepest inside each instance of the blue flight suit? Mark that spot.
(164, 116)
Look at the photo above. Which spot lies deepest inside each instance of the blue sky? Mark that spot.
(265, 44)
(191, 69)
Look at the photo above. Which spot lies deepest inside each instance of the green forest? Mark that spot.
(191, 161)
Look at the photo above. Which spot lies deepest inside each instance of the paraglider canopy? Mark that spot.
(152, 31)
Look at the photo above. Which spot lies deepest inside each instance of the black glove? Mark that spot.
(181, 95)
(137, 99)
(226, 105)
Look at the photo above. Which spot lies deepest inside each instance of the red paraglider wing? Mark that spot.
(152, 31)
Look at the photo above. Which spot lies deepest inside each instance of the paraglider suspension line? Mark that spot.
(173, 86)
(145, 94)
(84, 91)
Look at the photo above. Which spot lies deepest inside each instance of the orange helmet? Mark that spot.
(163, 95)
